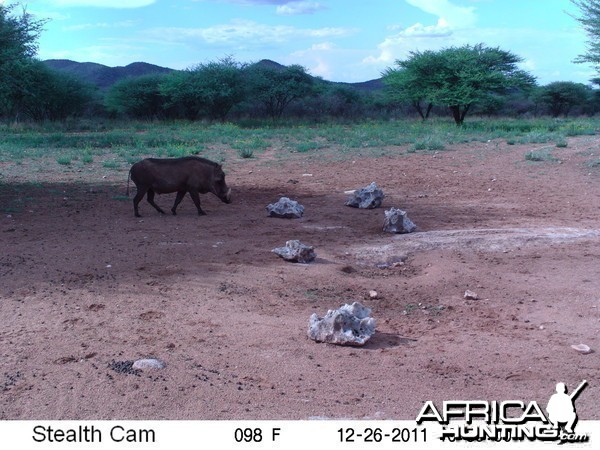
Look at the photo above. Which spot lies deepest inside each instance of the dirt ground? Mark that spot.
(85, 288)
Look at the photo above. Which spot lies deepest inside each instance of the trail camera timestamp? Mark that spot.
(403, 435)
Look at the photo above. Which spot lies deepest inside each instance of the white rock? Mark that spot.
(470, 295)
(286, 209)
(149, 363)
(396, 221)
(373, 294)
(582, 348)
(348, 325)
(296, 251)
(368, 197)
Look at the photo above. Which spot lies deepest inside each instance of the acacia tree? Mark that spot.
(137, 97)
(276, 87)
(561, 96)
(590, 20)
(408, 83)
(458, 77)
(18, 46)
(29, 88)
(210, 89)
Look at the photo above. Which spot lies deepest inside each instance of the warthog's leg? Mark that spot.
(180, 195)
(151, 201)
(196, 199)
(137, 199)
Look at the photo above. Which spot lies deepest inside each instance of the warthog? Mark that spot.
(189, 174)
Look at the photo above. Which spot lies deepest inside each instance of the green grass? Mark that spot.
(561, 142)
(64, 160)
(304, 147)
(541, 155)
(245, 153)
(111, 164)
(594, 164)
(429, 143)
(117, 145)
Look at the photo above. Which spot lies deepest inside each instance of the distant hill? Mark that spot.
(267, 63)
(105, 76)
(101, 75)
(366, 86)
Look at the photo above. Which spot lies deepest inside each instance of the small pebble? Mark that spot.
(582, 348)
(470, 295)
(373, 294)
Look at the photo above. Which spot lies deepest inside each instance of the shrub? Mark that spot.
(246, 152)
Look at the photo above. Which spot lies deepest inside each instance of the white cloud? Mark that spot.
(299, 7)
(452, 15)
(451, 19)
(284, 7)
(331, 62)
(441, 29)
(323, 46)
(245, 33)
(119, 4)
(91, 26)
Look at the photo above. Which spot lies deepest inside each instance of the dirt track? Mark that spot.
(84, 283)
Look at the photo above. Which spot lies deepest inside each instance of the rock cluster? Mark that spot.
(285, 209)
(348, 325)
(368, 197)
(295, 251)
(396, 221)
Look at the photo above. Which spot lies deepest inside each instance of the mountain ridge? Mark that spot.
(105, 76)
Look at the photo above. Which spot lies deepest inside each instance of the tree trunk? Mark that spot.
(458, 114)
(455, 109)
(419, 109)
(417, 106)
(429, 107)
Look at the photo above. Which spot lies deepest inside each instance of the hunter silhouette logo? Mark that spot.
(510, 420)
(561, 407)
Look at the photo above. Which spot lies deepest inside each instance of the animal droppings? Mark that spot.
(124, 367)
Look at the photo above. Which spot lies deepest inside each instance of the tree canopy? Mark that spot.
(138, 97)
(208, 90)
(28, 88)
(18, 45)
(276, 87)
(561, 96)
(590, 20)
(456, 77)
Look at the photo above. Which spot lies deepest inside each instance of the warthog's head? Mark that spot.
(221, 189)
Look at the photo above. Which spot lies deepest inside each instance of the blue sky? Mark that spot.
(339, 40)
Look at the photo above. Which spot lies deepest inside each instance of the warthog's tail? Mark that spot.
(128, 178)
